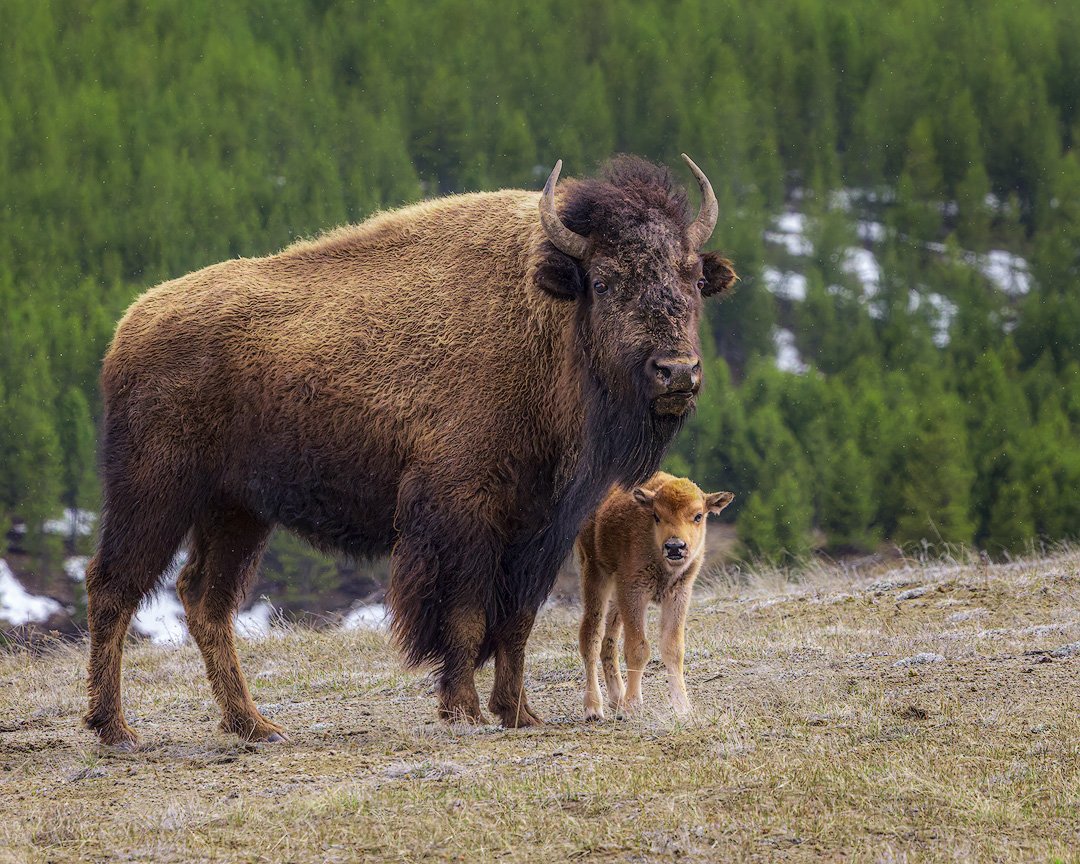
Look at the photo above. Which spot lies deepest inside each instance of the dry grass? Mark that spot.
(811, 742)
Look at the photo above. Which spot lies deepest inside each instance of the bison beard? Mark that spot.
(437, 383)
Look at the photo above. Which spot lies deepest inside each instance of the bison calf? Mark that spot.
(643, 545)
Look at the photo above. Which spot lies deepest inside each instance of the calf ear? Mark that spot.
(644, 497)
(720, 275)
(717, 501)
(558, 274)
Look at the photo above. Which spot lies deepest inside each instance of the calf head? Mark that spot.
(679, 510)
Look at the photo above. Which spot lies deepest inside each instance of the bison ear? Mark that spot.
(559, 274)
(720, 275)
(644, 497)
(717, 501)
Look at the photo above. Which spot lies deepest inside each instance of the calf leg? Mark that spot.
(133, 552)
(635, 645)
(672, 647)
(226, 549)
(508, 693)
(595, 597)
(609, 659)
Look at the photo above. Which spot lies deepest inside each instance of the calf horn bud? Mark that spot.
(561, 237)
(701, 229)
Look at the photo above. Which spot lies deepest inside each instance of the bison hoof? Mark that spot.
(594, 715)
(519, 718)
(462, 715)
(255, 729)
(119, 736)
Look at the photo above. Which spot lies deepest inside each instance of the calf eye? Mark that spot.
(657, 518)
(599, 286)
(698, 517)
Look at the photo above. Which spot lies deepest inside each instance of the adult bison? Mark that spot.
(457, 383)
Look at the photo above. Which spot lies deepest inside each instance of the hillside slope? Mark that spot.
(930, 712)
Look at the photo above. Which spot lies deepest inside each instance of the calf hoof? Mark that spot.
(594, 715)
(631, 707)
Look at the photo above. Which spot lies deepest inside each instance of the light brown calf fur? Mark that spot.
(640, 546)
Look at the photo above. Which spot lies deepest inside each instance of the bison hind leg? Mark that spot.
(135, 548)
(226, 548)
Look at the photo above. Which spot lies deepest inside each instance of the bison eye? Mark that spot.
(599, 286)
(697, 518)
(701, 284)
(657, 518)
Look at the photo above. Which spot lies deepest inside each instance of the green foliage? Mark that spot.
(140, 142)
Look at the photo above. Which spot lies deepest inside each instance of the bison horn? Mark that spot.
(701, 229)
(561, 237)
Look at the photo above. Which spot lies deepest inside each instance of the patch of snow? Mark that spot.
(161, 618)
(1070, 650)
(912, 593)
(787, 355)
(786, 286)
(1009, 273)
(75, 568)
(794, 243)
(79, 522)
(372, 616)
(920, 659)
(790, 223)
(19, 606)
(848, 198)
(942, 313)
(254, 623)
(863, 265)
(790, 233)
(870, 232)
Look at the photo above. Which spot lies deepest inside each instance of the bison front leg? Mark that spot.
(463, 633)
(442, 574)
(508, 694)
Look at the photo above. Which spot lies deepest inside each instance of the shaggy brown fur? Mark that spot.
(439, 382)
(640, 546)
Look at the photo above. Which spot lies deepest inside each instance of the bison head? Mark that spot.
(625, 249)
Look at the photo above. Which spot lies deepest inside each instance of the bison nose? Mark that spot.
(674, 548)
(676, 374)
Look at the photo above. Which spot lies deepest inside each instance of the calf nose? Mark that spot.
(674, 547)
(676, 374)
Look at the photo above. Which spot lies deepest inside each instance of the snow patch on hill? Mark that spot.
(19, 606)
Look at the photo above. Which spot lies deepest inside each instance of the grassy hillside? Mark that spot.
(818, 737)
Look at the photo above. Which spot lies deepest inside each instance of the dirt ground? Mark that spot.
(926, 713)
